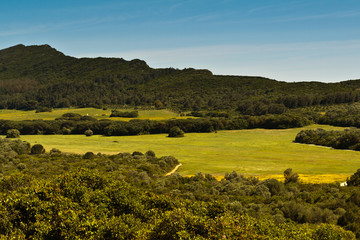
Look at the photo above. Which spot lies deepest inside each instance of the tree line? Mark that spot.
(76, 124)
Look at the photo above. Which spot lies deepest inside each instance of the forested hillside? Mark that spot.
(40, 76)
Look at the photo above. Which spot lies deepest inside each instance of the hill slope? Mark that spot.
(33, 76)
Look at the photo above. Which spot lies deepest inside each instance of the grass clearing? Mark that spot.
(257, 152)
(18, 115)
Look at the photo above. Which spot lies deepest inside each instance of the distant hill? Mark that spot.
(34, 76)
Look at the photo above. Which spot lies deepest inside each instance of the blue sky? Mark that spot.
(286, 40)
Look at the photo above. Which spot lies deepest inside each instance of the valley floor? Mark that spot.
(258, 152)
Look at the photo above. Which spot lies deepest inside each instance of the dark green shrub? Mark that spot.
(327, 231)
(354, 179)
(275, 187)
(87, 118)
(14, 182)
(89, 155)
(37, 149)
(117, 113)
(290, 177)
(21, 166)
(355, 198)
(356, 147)
(136, 153)
(71, 115)
(176, 132)
(55, 151)
(158, 104)
(88, 133)
(20, 147)
(122, 227)
(65, 131)
(12, 133)
(43, 109)
(150, 154)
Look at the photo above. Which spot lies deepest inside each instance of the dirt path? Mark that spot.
(174, 170)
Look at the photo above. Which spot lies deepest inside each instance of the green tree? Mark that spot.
(158, 104)
(176, 132)
(354, 179)
(88, 133)
(12, 133)
(290, 177)
(89, 155)
(37, 149)
(150, 154)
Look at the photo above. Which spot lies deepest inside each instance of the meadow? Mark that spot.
(257, 152)
(18, 115)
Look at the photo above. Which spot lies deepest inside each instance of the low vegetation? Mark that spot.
(55, 196)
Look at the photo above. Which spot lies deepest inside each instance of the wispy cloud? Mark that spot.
(24, 29)
(21, 31)
(176, 6)
(188, 19)
(334, 15)
(280, 6)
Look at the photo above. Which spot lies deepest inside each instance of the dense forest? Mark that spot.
(342, 115)
(51, 195)
(33, 77)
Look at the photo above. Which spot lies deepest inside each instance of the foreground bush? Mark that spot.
(85, 204)
(127, 196)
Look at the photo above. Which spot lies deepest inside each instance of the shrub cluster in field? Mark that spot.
(347, 139)
(127, 196)
(176, 132)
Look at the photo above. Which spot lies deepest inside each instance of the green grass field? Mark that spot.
(18, 115)
(258, 152)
